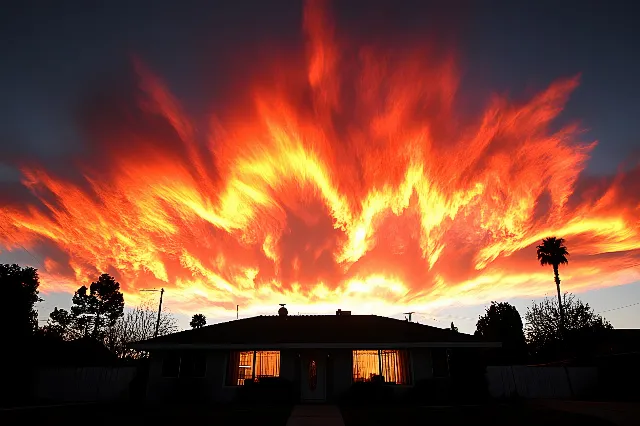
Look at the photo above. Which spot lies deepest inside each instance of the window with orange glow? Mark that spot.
(252, 365)
(392, 364)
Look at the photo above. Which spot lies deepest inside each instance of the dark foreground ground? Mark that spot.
(139, 415)
(494, 415)
(239, 415)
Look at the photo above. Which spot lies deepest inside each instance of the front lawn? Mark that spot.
(141, 414)
(494, 415)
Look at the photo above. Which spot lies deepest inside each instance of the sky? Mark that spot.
(219, 76)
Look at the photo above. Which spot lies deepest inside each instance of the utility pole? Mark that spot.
(155, 334)
(159, 311)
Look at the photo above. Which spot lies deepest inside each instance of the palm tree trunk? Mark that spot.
(560, 307)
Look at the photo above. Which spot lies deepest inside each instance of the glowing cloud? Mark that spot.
(354, 183)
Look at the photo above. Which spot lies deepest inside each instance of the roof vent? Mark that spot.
(341, 312)
(283, 312)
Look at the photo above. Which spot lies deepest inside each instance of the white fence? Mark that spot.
(84, 384)
(541, 382)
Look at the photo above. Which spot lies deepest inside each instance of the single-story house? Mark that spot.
(322, 356)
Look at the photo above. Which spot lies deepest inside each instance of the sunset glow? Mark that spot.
(361, 182)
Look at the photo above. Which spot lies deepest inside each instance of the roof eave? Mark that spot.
(151, 346)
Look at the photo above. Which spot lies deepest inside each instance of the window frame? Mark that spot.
(165, 358)
(194, 356)
(225, 382)
(180, 375)
(379, 353)
(447, 355)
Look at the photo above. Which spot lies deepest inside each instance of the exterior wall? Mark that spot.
(542, 382)
(288, 365)
(212, 386)
(342, 371)
(158, 387)
(421, 364)
(69, 384)
(220, 391)
(207, 388)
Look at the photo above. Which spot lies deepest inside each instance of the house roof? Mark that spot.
(84, 351)
(623, 340)
(348, 331)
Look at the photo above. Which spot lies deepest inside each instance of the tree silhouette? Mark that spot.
(19, 321)
(18, 317)
(138, 324)
(107, 302)
(553, 252)
(502, 323)
(198, 321)
(97, 307)
(60, 325)
(583, 327)
(82, 310)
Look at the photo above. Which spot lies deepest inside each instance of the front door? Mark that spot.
(313, 377)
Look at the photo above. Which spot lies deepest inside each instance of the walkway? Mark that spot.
(312, 415)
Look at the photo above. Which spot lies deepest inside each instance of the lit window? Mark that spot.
(393, 363)
(252, 365)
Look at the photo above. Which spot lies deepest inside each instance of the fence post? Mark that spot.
(515, 384)
(566, 372)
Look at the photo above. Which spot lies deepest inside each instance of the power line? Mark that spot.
(619, 307)
(23, 247)
(445, 317)
(450, 317)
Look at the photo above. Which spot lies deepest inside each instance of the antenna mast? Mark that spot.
(409, 313)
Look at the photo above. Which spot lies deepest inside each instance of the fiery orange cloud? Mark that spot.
(353, 183)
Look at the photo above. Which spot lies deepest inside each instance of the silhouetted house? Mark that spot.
(319, 357)
(82, 352)
(621, 341)
(618, 362)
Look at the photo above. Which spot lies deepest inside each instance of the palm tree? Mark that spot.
(198, 321)
(553, 252)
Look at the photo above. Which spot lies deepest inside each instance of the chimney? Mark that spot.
(283, 312)
(340, 312)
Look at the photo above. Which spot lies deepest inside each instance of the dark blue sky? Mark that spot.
(53, 53)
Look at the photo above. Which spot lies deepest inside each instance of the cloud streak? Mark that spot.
(354, 182)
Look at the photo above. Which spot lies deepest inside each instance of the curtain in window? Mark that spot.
(395, 366)
(241, 366)
(245, 367)
(233, 369)
(365, 365)
(267, 364)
